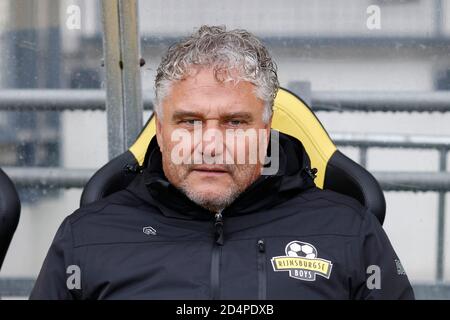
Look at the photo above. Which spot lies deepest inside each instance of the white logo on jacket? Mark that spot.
(149, 231)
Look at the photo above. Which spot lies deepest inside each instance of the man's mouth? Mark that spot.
(210, 170)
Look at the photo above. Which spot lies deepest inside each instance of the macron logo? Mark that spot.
(150, 231)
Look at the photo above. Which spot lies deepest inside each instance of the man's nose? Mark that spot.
(212, 140)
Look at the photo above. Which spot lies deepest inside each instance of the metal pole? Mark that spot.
(131, 76)
(363, 156)
(49, 177)
(327, 101)
(441, 221)
(123, 79)
(77, 178)
(373, 101)
(438, 18)
(413, 181)
(114, 94)
(301, 89)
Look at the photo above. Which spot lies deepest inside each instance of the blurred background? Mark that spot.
(377, 74)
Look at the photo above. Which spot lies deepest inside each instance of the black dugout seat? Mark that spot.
(9, 213)
(292, 116)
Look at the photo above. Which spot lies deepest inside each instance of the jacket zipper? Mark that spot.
(262, 276)
(215, 257)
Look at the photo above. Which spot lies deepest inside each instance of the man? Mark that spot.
(203, 220)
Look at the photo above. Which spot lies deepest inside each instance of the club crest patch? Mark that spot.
(301, 262)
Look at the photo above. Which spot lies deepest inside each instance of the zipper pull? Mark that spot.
(261, 246)
(218, 224)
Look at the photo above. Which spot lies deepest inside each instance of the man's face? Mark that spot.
(208, 134)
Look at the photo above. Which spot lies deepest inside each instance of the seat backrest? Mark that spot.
(291, 116)
(9, 213)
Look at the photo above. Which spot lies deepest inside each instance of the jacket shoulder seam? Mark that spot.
(83, 211)
(359, 209)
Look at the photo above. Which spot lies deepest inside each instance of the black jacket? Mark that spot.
(282, 238)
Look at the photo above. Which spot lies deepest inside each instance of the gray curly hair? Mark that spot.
(213, 46)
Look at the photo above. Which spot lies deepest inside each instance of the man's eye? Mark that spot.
(236, 122)
(192, 122)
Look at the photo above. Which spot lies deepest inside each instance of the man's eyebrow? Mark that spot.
(180, 114)
(242, 115)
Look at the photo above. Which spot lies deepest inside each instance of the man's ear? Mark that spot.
(159, 136)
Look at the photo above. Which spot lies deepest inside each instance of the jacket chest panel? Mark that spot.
(288, 267)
